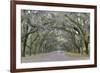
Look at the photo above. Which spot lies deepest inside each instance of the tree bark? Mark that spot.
(24, 46)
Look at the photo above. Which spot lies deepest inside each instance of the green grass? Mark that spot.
(39, 55)
(75, 54)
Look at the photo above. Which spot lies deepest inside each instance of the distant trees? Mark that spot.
(45, 31)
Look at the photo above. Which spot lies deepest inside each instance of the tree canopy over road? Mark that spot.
(48, 31)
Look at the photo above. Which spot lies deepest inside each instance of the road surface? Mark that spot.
(53, 56)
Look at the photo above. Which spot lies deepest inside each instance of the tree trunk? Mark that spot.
(87, 51)
(24, 46)
(30, 51)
